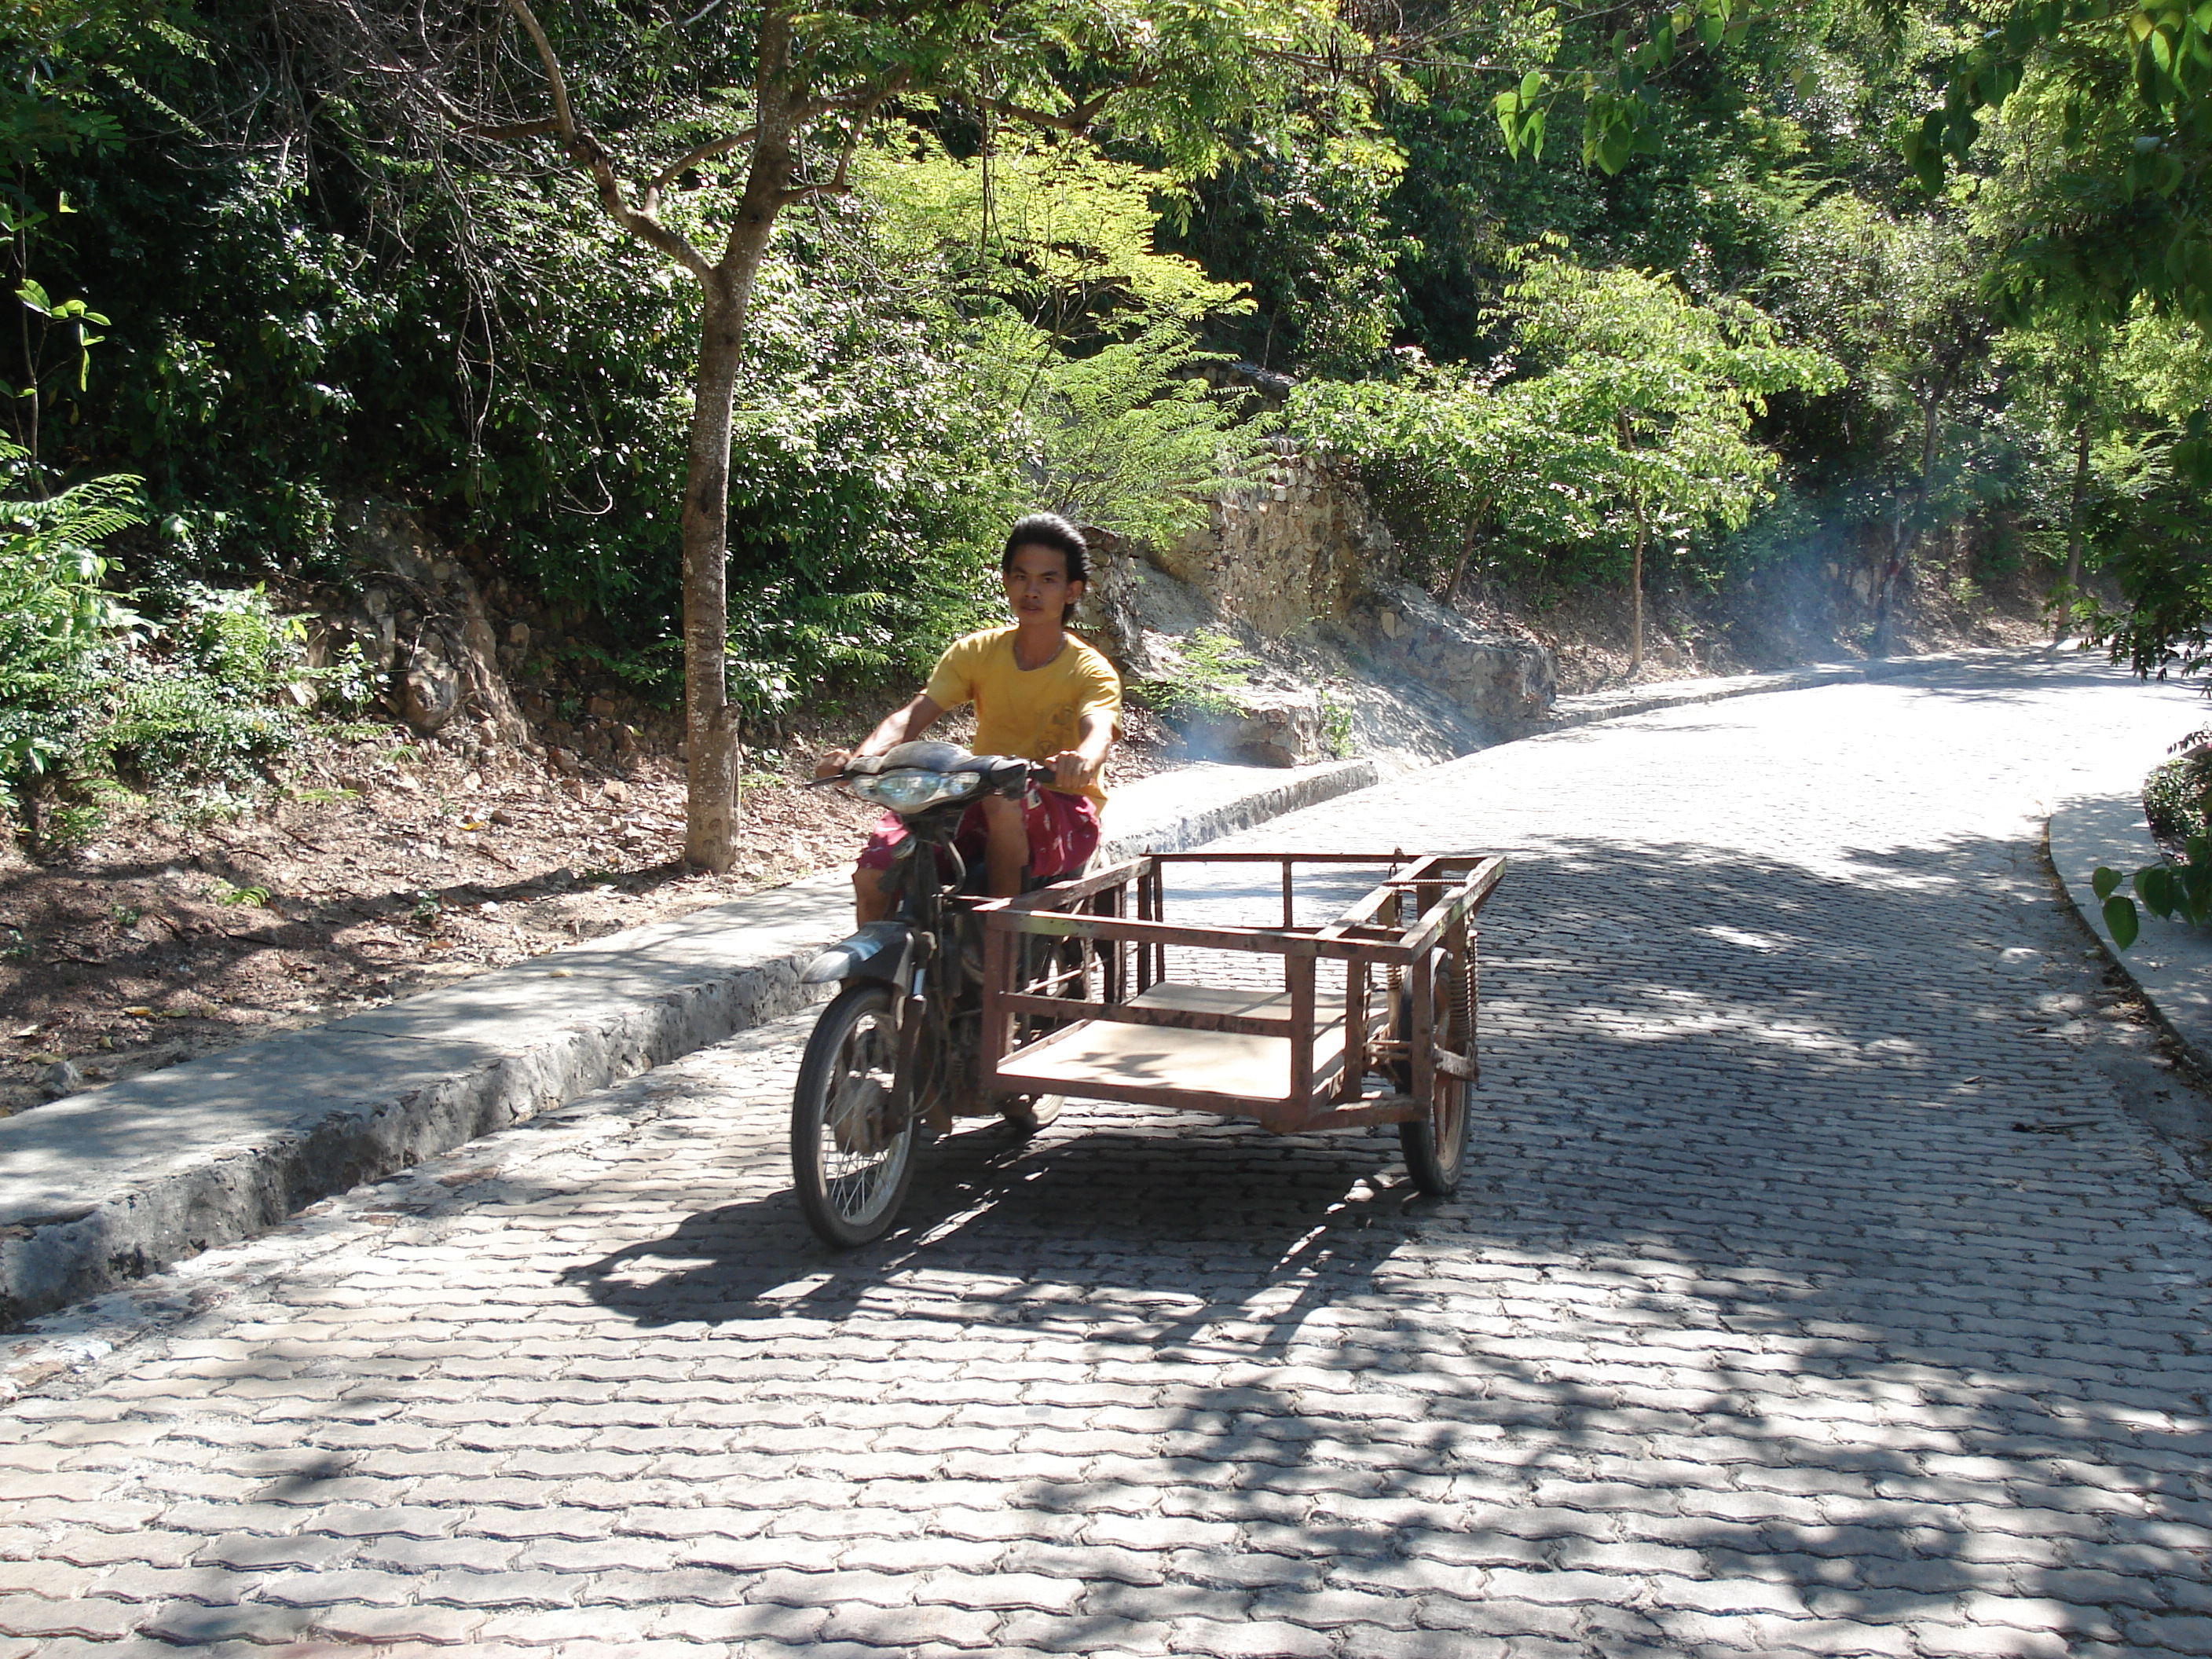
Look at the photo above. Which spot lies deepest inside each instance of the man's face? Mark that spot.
(1037, 585)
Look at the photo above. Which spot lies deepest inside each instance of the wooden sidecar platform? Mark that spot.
(1091, 988)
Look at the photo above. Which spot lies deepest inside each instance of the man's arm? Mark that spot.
(903, 725)
(1074, 770)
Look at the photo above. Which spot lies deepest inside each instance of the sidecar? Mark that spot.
(1366, 1016)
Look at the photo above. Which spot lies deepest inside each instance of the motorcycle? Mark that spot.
(892, 1059)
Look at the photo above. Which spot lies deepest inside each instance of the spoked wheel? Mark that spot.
(852, 1143)
(1436, 1147)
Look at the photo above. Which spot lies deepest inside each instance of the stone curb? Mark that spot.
(125, 1179)
(2171, 962)
(1592, 707)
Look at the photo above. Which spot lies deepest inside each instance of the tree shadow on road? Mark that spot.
(1809, 1292)
(1805, 1262)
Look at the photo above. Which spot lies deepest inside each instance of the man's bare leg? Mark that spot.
(870, 902)
(1007, 849)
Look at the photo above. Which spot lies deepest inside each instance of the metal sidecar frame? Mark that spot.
(1092, 990)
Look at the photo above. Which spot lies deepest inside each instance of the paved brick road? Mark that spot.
(1816, 1291)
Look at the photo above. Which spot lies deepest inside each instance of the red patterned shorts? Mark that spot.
(1063, 832)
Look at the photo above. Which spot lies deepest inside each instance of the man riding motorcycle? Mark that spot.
(1040, 694)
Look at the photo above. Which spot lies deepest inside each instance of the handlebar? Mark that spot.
(1032, 772)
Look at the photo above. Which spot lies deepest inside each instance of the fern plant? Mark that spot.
(57, 619)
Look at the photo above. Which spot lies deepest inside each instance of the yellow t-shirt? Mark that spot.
(1034, 713)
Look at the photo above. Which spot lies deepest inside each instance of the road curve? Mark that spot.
(1818, 1288)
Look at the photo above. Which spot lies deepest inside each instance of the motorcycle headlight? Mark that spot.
(911, 792)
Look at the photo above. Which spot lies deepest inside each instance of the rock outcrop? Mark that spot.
(1500, 680)
(421, 621)
(1293, 549)
(1299, 571)
(1263, 726)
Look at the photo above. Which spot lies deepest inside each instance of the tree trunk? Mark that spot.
(710, 725)
(710, 737)
(1904, 536)
(1459, 566)
(2074, 528)
(1636, 588)
(1625, 436)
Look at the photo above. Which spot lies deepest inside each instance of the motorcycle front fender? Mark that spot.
(882, 949)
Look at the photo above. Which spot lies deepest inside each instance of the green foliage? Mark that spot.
(1336, 726)
(1621, 120)
(2179, 891)
(63, 63)
(311, 306)
(57, 625)
(1306, 217)
(2145, 518)
(236, 638)
(1213, 667)
(1077, 328)
(177, 726)
(1130, 439)
(2177, 796)
(1064, 236)
(1629, 412)
(2116, 99)
(88, 690)
(2177, 803)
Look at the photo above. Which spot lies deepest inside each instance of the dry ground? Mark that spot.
(375, 869)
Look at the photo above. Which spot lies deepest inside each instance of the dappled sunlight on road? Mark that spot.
(1813, 1291)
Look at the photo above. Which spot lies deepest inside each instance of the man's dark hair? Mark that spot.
(1050, 530)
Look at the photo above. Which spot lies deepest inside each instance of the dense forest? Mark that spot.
(1690, 293)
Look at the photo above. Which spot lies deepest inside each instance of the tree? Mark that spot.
(1449, 448)
(1662, 389)
(1084, 330)
(2117, 202)
(55, 60)
(1622, 413)
(784, 99)
(2104, 210)
(2058, 379)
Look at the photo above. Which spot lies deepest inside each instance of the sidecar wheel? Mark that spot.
(1436, 1147)
(852, 1144)
(1027, 1113)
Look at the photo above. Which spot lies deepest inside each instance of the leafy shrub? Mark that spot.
(1214, 667)
(178, 725)
(235, 637)
(2167, 891)
(2177, 796)
(89, 691)
(57, 625)
(2178, 802)
(214, 696)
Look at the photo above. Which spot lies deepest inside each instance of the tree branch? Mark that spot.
(1078, 118)
(864, 112)
(586, 151)
(650, 202)
(507, 134)
(562, 113)
(1077, 122)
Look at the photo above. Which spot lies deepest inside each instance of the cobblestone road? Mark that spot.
(1816, 1291)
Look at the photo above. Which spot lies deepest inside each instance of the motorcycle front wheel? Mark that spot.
(852, 1142)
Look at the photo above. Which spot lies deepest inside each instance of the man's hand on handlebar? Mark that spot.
(833, 762)
(1073, 770)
